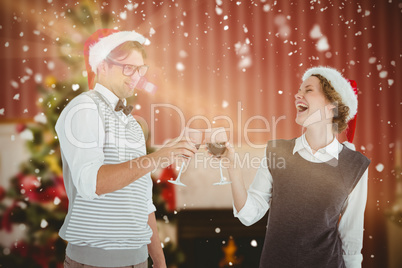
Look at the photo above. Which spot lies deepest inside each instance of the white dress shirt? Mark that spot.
(351, 224)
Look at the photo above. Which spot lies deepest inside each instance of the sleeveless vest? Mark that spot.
(117, 220)
(307, 199)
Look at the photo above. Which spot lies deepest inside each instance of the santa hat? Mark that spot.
(346, 89)
(101, 43)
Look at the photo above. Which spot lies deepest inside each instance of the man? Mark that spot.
(111, 220)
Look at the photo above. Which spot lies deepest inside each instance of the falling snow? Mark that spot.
(26, 134)
(14, 84)
(372, 60)
(243, 52)
(51, 65)
(151, 31)
(283, 27)
(267, 7)
(183, 54)
(56, 201)
(43, 223)
(180, 66)
(253, 243)
(218, 10)
(38, 78)
(315, 33)
(40, 118)
(123, 15)
(379, 167)
(28, 71)
(322, 43)
(383, 74)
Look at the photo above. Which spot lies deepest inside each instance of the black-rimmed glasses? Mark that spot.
(128, 69)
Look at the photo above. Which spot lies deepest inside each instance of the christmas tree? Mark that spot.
(36, 198)
(36, 201)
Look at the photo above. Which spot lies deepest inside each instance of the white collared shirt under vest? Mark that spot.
(351, 224)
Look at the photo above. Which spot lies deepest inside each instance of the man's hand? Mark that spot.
(174, 150)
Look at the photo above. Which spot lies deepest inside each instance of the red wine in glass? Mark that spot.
(215, 140)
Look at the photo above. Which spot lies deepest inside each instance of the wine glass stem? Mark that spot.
(181, 169)
(220, 168)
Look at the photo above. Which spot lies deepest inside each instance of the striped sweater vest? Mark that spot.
(117, 220)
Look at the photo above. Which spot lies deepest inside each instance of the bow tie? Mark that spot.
(126, 109)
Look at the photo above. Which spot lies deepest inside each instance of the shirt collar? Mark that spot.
(331, 149)
(109, 95)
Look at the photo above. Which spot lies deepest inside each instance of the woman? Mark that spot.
(316, 196)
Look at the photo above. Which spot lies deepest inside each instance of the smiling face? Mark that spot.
(312, 105)
(111, 75)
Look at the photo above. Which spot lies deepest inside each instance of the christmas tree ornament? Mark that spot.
(50, 81)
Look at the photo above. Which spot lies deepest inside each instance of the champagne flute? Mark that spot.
(191, 135)
(215, 140)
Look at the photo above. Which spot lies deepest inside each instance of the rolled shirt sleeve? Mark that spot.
(81, 135)
(258, 197)
(352, 223)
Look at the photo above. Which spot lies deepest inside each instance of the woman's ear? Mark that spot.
(333, 107)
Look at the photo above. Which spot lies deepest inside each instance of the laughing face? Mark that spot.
(312, 105)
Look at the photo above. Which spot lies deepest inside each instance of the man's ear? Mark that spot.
(102, 67)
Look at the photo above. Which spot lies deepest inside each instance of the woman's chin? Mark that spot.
(300, 120)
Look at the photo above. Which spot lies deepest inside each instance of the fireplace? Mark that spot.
(214, 238)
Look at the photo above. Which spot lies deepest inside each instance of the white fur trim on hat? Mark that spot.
(100, 50)
(340, 84)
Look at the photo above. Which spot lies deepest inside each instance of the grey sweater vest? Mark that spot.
(112, 230)
(306, 204)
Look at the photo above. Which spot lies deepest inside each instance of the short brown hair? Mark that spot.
(125, 49)
(341, 111)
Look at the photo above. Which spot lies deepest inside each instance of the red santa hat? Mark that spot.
(347, 90)
(101, 43)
